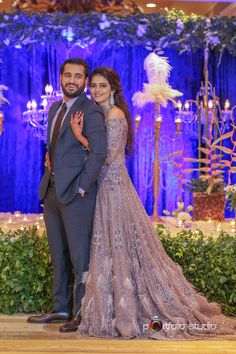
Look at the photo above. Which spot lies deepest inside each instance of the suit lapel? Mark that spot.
(74, 108)
(50, 120)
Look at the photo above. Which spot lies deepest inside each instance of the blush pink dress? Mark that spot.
(131, 279)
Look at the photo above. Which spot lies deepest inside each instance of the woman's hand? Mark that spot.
(77, 124)
(47, 162)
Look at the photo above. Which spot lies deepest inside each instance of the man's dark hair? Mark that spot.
(76, 61)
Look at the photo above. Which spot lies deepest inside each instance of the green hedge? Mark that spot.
(209, 263)
(25, 270)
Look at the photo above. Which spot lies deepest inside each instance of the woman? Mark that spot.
(131, 279)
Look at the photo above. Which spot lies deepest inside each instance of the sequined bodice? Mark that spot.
(131, 279)
(114, 166)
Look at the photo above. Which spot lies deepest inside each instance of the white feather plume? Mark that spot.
(2, 98)
(157, 89)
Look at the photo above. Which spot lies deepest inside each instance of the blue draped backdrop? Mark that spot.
(26, 71)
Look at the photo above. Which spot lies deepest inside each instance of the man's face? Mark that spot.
(73, 80)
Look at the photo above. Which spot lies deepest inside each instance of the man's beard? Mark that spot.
(72, 94)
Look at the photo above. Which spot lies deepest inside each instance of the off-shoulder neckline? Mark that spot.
(115, 118)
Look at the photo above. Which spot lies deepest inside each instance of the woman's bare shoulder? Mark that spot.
(115, 112)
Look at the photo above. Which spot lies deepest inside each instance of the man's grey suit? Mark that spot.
(68, 216)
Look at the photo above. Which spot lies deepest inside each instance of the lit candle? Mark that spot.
(44, 103)
(29, 105)
(210, 104)
(178, 125)
(177, 120)
(34, 105)
(47, 89)
(227, 104)
(137, 122)
(158, 118)
(1, 122)
(50, 89)
(179, 223)
(179, 105)
(137, 118)
(186, 105)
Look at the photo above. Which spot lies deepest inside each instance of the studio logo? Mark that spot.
(154, 326)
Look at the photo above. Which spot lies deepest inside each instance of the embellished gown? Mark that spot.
(131, 279)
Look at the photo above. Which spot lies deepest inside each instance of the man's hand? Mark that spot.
(47, 162)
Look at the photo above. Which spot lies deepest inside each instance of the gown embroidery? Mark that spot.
(131, 279)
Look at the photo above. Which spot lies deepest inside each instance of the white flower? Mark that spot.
(68, 33)
(105, 23)
(180, 206)
(141, 30)
(230, 188)
(184, 216)
(180, 26)
(189, 208)
(212, 38)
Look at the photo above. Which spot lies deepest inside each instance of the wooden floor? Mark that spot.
(17, 336)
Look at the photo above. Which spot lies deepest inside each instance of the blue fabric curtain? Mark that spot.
(26, 71)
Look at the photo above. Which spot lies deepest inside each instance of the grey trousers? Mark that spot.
(69, 230)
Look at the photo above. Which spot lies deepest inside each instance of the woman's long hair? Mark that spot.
(114, 81)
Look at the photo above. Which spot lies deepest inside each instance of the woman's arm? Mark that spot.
(77, 123)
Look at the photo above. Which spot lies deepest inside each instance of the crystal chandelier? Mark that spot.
(37, 119)
(205, 105)
(3, 100)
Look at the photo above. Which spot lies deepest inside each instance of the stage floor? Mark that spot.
(17, 336)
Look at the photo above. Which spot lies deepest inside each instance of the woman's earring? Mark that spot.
(112, 100)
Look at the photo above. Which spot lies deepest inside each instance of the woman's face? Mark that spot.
(100, 90)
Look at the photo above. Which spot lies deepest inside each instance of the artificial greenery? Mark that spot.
(25, 270)
(204, 185)
(209, 263)
(167, 29)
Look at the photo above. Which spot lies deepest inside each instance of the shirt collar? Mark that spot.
(70, 102)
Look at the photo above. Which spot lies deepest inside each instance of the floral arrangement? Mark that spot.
(169, 28)
(182, 217)
(230, 192)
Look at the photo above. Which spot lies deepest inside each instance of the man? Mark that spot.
(68, 188)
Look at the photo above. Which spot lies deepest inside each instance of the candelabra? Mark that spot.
(203, 112)
(156, 172)
(36, 119)
(1, 122)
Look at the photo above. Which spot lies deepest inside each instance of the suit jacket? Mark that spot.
(75, 167)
